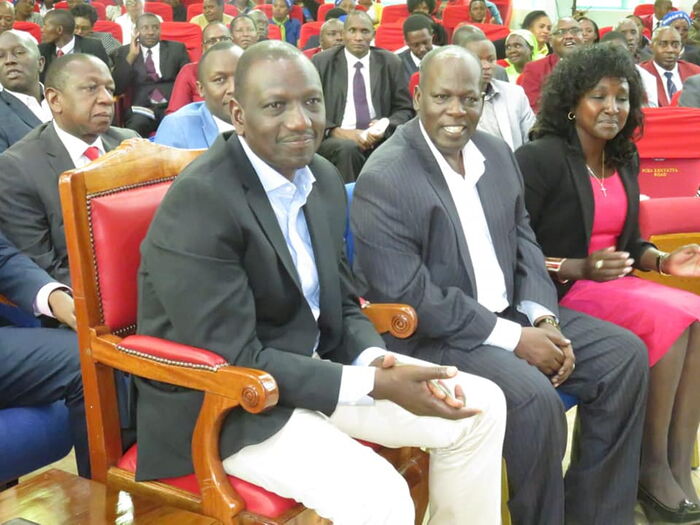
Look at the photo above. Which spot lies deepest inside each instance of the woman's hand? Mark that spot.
(683, 261)
(607, 265)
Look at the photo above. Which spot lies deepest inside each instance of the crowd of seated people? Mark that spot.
(495, 193)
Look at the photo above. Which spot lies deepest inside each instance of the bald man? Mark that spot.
(7, 16)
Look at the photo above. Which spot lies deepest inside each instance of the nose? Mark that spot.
(611, 105)
(105, 96)
(296, 118)
(455, 107)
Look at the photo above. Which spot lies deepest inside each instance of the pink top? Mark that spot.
(609, 212)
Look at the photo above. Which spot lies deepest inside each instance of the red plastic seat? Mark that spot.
(107, 26)
(28, 27)
(161, 9)
(393, 13)
(454, 14)
(188, 34)
(197, 8)
(389, 36)
(99, 7)
(296, 12)
(308, 30)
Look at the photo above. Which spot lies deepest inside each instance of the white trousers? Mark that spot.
(315, 460)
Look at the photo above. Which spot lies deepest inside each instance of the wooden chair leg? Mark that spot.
(505, 495)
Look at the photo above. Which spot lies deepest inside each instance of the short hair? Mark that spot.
(327, 24)
(144, 16)
(335, 13)
(437, 52)
(531, 17)
(412, 4)
(85, 11)
(465, 34)
(25, 39)
(577, 75)
(475, 1)
(57, 74)
(62, 18)
(220, 3)
(241, 17)
(417, 22)
(219, 46)
(662, 29)
(356, 13)
(613, 36)
(660, 2)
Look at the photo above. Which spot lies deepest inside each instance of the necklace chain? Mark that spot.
(600, 180)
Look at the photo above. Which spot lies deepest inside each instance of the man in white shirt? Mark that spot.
(439, 222)
(22, 102)
(79, 90)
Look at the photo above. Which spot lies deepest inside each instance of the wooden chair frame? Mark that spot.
(135, 163)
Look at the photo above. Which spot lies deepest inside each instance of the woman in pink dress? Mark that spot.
(581, 191)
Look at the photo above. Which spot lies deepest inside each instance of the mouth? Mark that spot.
(569, 43)
(298, 141)
(454, 131)
(13, 73)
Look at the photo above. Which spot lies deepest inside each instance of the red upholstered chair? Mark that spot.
(389, 36)
(188, 34)
(195, 9)
(454, 14)
(393, 13)
(28, 27)
(107, 26)
(163, 10)
(107, 208)
(669, 156)
(308, 30)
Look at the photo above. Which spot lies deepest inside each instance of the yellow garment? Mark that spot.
(202, 22)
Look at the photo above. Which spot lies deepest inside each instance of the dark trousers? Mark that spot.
(610, 380)
(143, 125)
(344, 155)
(40, 366)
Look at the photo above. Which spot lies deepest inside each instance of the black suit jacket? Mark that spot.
(16, 120)
(388, 84)
(30, 208)
(559, 198)
(90, 46)
(409, 65)
(133, 79)
(411, 248)
(235, 291)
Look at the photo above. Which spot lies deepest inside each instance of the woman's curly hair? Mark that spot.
(578, 74)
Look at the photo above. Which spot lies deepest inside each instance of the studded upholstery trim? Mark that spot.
(184, 364)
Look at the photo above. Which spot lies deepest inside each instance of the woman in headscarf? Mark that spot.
(521, 48)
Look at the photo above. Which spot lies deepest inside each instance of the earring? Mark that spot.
(570, 115)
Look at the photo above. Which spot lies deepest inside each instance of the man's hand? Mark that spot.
(63, 307)
(568, 365)
(134, 48)
(542, 348)
(407, 386)
(363, 140)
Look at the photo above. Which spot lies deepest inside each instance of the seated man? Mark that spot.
(79, 91)
(185, 86)
(361, 85)
(506, 114)
(198, 124)
(690, 98)
(418, 35)
(85, 17)
(7, 15)
(289, 27)
(331, 35)
(146, 69)
(128, 20)
(41, 365)
(212, 11)
(439, 221)
(666, 66)
(22, 103)
(58, 39)
(268, 287)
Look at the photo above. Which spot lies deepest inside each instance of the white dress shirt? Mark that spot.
(349, 116)
(287, 199)
(76, 147)
(68, 48)
(41, 301)
(40, 109)
(490, 282)
(221, 124)
(676, 77)
(155, 53)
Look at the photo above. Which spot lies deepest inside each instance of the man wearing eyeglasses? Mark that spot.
(566, 38)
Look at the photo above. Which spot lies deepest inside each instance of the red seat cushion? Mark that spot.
(257, 500)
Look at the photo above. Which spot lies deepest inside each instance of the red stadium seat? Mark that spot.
(669, 164)
(99, 7)
(161, 9)
(106, 26)
(389, 36)
(197, 9)
(308, 30)
(393, 13)
(453, 15)
(273, 32)
(28, 27)
(188, 34)
(604, 31)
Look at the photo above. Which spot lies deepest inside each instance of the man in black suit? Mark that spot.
(418, 35)
(364, 88)
(58, 39)
(268, 287)
(439, 222)
(79, 91)
(690, 98)
(146, 70)
(22, 103)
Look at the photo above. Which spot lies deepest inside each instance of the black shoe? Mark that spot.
(685, 512)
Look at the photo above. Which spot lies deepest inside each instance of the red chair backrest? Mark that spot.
(393, 13)
(28, 27)
(492, 31)
(604, 31)
(322, 10)
(308, 30)
(99, 7)
(389, 36)
(647, 9)
(453, 15)
(267, 9)
(273, 32)
(505, 7)
(106, 26)
(161, 9)
(188, 34)
(669, 215)
(669, 164)
(197, 9)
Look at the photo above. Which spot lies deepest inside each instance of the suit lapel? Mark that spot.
(163, 60)
(19, 109)
(375, 82)
(339, 85)
(56, 152)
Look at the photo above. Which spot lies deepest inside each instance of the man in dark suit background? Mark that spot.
(418, 35)
(268, 287)
(690, 98)
(79, 90)
(439, 223)
(58, 39)
(146, 70)
(22, 103)
(362, 86)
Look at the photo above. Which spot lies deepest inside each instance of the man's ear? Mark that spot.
(42, 63)
(237, 117)
(417, 94)
(199, 88)
(53, 98)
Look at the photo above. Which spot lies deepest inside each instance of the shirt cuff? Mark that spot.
(506, 334)
(534, 311)
(41, 301)
(357, 380)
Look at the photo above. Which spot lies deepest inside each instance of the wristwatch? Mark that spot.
(548, 320)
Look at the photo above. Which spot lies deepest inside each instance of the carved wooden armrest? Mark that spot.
(400, 320)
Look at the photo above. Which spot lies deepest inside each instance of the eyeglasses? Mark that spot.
(216, 39)
(573, 31)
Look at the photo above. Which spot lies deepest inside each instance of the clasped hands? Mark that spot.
(361, 137)
(546, 348)
(419, 389)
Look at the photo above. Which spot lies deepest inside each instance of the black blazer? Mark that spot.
(216, 273)
(16, 120)
(559, 198)
(90, 46)
(133, 78)
(388, 84)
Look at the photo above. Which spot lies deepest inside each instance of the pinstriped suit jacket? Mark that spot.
(410, 246)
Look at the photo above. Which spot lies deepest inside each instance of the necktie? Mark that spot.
(59, 53)
(670, 86)
(92, 153)
(359, 95)
(151, 73)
